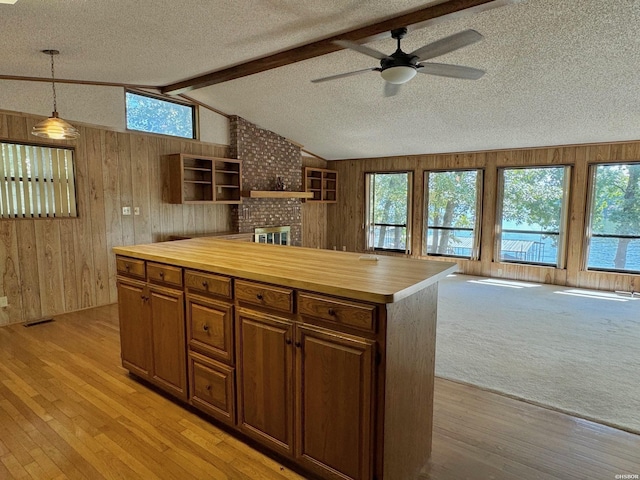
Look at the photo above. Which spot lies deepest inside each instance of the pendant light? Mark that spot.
(54, 127)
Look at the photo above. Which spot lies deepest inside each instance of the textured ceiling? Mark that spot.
(558, 71)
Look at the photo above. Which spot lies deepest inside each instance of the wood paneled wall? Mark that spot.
(61, 265)
(346, 223)
(314, 214)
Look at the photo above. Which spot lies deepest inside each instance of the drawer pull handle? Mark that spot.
(205, 284)
(205, 327)
(259, 296)
(287, 341)
(208, 388)
(332, 312)
(127, 267)
(161, 273)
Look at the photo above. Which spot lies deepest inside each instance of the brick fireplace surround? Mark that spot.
(266, 156)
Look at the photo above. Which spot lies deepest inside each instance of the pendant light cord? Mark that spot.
(53, 84)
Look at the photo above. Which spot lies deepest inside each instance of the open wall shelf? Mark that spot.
(199, 179)
(322, 184)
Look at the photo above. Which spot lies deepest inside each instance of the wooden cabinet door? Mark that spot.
(168, 342)
(334, 403)
(135, 327)
(265, 372)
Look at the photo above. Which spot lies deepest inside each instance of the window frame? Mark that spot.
(562, 232)
(369, 227)
(195, 114)
(71, 190)
(588, 235)
(477, 228)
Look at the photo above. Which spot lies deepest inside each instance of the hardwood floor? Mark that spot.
(68, 410)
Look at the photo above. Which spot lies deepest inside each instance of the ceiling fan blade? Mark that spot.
(391, 89)
(342, 75)
(453, 71)
(361, 48)
(447, 44)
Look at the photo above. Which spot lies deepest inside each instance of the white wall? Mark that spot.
(214, 128)
(92, 104)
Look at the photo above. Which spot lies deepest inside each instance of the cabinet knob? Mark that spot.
(205, 284)
(298, 344)
(208, 388)
(332, 312)
(205, 327)
(287, 341)
(161, 273)
(259, 296)
(127, 267)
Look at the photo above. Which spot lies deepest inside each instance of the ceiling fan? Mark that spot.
(400, 67)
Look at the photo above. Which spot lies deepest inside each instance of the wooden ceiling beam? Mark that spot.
(79, 82)
(417, 19)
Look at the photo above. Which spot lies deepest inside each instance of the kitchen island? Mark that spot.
(325, 358)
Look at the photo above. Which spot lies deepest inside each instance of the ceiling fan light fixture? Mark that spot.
(398, 75)
(54, 127)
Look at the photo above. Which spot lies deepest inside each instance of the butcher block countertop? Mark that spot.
(345, 274)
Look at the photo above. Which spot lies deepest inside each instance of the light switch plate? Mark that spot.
(136, 210)
(4, 302)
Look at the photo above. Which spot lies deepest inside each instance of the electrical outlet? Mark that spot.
(4, 302)
(126, 210)
(136, 210)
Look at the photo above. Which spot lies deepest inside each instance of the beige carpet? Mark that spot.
(573, 350)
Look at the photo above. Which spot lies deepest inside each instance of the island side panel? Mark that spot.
(409, 380)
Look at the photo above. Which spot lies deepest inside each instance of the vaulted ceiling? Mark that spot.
(558, 72)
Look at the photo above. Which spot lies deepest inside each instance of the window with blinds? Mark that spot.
(36, 181)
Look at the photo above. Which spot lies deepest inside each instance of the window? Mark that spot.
(531, 215)
(389, 211)
(36, 181)
(613, 235)
(154, 115)
(452, 201)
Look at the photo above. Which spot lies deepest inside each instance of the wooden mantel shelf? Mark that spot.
(275, 194)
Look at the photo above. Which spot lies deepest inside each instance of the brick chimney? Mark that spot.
(266, 156)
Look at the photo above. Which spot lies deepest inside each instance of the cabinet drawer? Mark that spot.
(167, 274)
(210, 328)
(130, 267)
(212, 387)
(267, 296)
(344, 312)
(207, 284)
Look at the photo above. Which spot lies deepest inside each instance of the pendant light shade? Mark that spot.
(54, 127)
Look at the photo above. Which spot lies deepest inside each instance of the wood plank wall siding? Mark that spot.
(51, 266)
(314, 214)
(345, 223)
